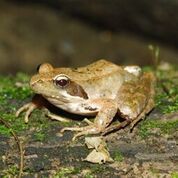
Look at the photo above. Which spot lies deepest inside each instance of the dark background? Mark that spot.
(78, 32)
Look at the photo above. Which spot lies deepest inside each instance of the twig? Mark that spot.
(19, 147)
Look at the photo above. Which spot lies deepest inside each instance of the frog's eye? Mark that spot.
(61, 81)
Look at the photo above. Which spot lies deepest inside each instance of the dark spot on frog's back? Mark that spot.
(76, 90)
(74, 69)
(77, 71)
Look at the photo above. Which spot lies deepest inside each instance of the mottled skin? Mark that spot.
(101, 88)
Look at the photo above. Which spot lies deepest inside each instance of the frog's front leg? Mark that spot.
(38, 102)
(102, 120)
(29, 107)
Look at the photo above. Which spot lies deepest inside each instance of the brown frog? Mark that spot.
(102, 88)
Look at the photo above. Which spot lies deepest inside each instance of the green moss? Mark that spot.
(4, 130)
(118, 156)
(16, 124)
(10, 172)
(168, 102)
(39, 136)
(12, 93)
(88, 175)
(174, 175)
(167, 91)
(67, 172)
(14, 87)
(147, 126)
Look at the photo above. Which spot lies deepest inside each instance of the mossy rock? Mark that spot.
(49, 154)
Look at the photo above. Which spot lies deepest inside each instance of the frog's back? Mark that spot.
(102, 79)
(95, 70)
(101, 66)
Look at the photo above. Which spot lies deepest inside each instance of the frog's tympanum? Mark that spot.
(102, 88)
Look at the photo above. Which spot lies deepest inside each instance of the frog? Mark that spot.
(101, 89)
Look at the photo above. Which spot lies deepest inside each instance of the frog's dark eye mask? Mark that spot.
(72, 88)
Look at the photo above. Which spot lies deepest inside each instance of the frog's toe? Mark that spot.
(21, 109)
(82, 130)
(29, 111)
(87, 131)
(72, 129)
(29, 107)
(79, 135)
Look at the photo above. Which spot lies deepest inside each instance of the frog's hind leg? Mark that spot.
(116, 126)
(131, 122)
(147, 109)
(149, 106)
(136, 97)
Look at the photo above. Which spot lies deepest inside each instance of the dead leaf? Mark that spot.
(100, 153)
(99, 157)
(94, 142)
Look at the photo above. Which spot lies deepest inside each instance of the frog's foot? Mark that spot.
(29, 107)
(116, 127)
(56, 117)
(91, 129)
